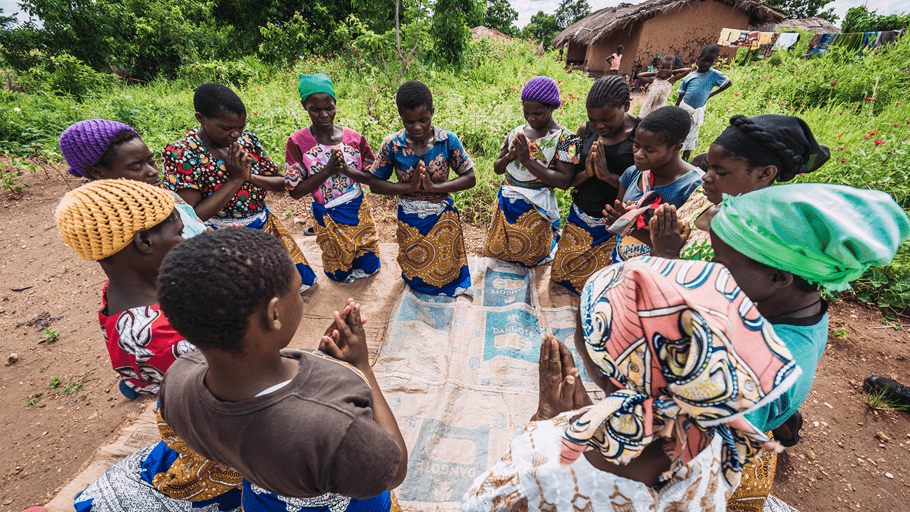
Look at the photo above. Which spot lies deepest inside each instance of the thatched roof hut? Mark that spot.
(659, 27)
(814, 25)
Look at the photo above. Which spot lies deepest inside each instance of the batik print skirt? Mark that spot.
(523, 231)
(756, 483)
(347, 236)
(584, 248)
(431, 249)
(257, 499)
(268, 222)
(167, 476)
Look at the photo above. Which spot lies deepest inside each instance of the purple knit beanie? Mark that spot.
(84, 142)
(541, 89)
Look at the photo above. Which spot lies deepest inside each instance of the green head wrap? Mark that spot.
(827, 234)
(311, 84)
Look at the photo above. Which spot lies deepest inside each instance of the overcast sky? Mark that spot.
(527, 8)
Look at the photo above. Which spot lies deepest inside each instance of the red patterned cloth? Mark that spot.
(142, 344)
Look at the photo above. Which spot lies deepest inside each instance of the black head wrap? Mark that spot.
(783, 141)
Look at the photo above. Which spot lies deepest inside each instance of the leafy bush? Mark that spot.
(67, 75)
(234, 73)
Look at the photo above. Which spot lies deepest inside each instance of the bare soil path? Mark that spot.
(851, 456)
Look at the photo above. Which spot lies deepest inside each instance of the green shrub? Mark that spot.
(67, 75)
(236, 73)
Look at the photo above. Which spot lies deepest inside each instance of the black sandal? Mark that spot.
(794, 423)
(309, 231)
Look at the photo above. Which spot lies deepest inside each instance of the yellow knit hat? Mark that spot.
(99, 218)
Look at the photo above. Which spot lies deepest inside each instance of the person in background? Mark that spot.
(330, 162)
(422, 156)
(223, 172)
(695, 90)
(614, 60)
(660, 84)
(534, 158)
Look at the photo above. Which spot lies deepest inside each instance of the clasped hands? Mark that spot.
(561, 388)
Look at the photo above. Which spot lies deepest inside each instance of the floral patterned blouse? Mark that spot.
(446, 153)
(304, 156)
(189, 164)
(698, 245)
(561, 145)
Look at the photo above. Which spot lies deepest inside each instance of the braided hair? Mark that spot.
(210, 285)
(788, 162)
(612, 91)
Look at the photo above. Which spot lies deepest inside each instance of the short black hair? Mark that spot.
(711, 48)
(122, 137)
(413, 95)
(610, 91)
(670, 124)
(620, 47)
(210, 285)
(700, 161)
(210, 98)
(670, 58)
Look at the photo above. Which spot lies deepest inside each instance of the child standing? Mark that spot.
(696, 89)
(659, 169)
(224, 173)
(329, 161)
(661, 83)
(614, 60)
(324, 434)
(431, 246)
(99, 149)
(534, 158)
(606, 151)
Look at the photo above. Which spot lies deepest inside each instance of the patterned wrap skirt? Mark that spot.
(347, 236)
(431, 249)
(268, 222)
(170, 477)
(584, 248)
(522, 231)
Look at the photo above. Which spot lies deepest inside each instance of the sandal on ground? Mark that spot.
(893, 390)
(794, 423)
(309, 231)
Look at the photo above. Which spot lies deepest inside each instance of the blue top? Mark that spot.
(806, 339)
(675, 193)
(192, 226)
(446, 154)
(697, 86)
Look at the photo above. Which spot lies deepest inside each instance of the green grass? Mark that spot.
(880, 401)
(843, 98)
(51, 335)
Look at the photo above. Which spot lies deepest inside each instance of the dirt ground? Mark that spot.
(850, 457)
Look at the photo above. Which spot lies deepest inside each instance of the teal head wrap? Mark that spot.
(827, 234)
(311, 84)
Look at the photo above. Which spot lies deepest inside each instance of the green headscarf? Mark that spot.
(827, 234)
(311, 84)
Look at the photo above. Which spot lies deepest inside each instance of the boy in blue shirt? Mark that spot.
(695, 90)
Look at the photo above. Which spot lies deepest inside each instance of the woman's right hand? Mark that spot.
(561, 388)
(613, 213)
(238, 163)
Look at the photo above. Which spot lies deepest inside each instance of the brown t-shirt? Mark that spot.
(313, 436)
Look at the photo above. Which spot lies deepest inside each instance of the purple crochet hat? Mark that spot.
(541, 89)
(84, 142)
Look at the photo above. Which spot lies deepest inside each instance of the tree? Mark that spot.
(449, 30)
(501, 16)
(861, 19)
(570, 11)
(542, 28)
(799, 9)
